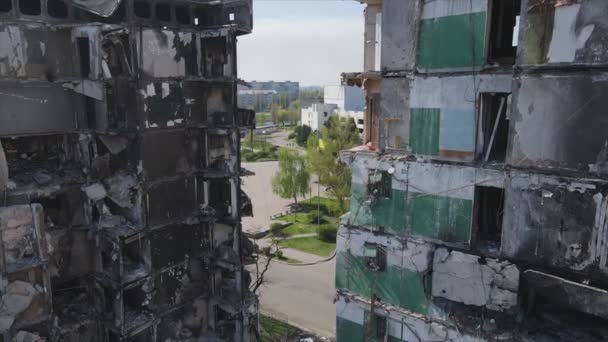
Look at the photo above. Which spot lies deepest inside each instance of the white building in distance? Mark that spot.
(348, 99)
(316, 115)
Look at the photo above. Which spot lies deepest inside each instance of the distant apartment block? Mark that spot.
(260, 95)
(260, 100)
(316, 115)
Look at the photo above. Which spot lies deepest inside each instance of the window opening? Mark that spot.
(379, 184)
(57, 8)
(85, 57)
(375, 257)
(493, 127)
(380, 327)
(163, 11)
(182, 14)
(142, 9)
(30, 7)
(489, 208)
(6, 5)
(503, 25)
(199, 15)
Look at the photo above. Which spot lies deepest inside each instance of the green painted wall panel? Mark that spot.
(452, 42)
(435, 217)
(395, 285)
(385, 212)
(442, 218)
(425, 126)
(348, 331)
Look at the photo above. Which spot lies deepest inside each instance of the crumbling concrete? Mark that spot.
(470, 280)
(109, 126)
(485, 142)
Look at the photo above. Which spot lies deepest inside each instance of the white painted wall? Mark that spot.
(316, 115)
(346, 98)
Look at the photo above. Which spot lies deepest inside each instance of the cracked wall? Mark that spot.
(489, 171)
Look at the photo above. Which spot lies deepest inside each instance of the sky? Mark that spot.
(308, 41)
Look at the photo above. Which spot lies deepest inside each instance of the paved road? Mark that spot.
(265, 202)
(303, 295)
(280, 139)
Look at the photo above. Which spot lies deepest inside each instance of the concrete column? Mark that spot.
(370, 36)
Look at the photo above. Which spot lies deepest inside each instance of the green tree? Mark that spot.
(323, 158)
(292, 179)
(283, 117)
(302, 134)
(295, 110)
(275, 110)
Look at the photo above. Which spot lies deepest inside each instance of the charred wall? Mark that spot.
(119, 164)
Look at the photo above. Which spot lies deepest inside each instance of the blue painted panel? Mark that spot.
(457, 131)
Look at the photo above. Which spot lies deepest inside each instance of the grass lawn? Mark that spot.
(274, 330)
(310, 245)
(299, 223)
(300, 228)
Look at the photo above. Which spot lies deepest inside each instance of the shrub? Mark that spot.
(292, 135)
(267, 251)
(276, 228)
(313, 218)
(280, 255)
(328, 233)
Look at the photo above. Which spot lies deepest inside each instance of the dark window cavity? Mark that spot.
(489, 208)
(182, 14)
(141, 9)
(493, 127)
(380, 327)
(85, 56)
(379, 184)
(199, 16)
(57, 8)
(375, 257)
(503, 23)
(6, 5)
(30, 7)
(163, 11)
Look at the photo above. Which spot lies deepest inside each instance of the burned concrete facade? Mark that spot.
(120, 198)
(479, 202)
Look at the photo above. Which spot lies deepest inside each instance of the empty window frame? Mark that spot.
(493, 126)
(141, 9)
(214, 57)
(163, 11)
(380, 327)
(379, 184)
(182, 14)
(489, 208)
(6, 6)
(502, 46)
(199, 16)
(57, 8)
(375, 257)
(85, 56)
(30, 7)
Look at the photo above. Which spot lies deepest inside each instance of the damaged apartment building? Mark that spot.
(120, 198)
(479, 207)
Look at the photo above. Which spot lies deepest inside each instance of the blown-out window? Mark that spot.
(30, 7)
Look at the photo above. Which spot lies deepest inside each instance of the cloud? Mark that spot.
(311, 50)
